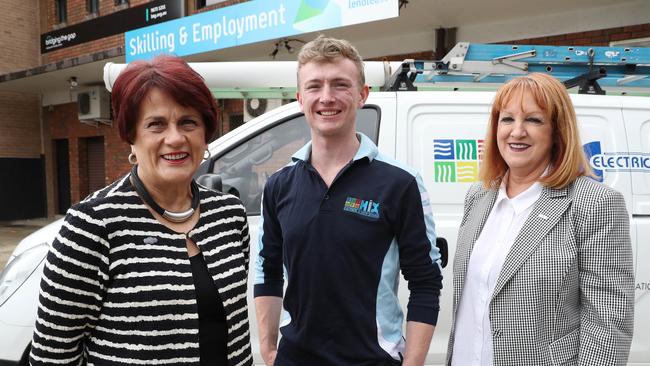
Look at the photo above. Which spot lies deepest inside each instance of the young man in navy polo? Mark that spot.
(340, 222)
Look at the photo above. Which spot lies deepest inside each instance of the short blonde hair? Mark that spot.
(326, 49)
(568, 160)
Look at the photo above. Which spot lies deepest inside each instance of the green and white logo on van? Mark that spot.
(456, 160)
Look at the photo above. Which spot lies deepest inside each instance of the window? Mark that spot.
(61, 11)
(121, 2)
(245, 169)
(92, 6)
(203, 3)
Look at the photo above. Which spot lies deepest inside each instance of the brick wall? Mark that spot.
(19, 35)
(19, 113)
(20, 135)
(424, 55)
(61, 123)
(599, 37)
(228, 107)
(77, 13)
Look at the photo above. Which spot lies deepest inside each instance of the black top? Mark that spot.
(212, 317)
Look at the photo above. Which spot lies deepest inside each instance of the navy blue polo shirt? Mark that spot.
(341, 249)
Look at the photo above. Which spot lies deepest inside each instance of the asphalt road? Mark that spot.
(12, 232)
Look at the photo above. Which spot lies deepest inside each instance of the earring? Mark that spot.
(209, 154)
(132, 159)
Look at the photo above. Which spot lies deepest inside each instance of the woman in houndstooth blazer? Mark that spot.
(543, 271)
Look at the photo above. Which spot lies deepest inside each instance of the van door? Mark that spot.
(604, 137)
(440, 134)
(637, 123)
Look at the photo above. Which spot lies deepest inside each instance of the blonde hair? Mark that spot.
(325, 49)
(568, 160)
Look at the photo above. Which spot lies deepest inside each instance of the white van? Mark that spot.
(413, 127)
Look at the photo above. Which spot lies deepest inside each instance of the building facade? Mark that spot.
(50, 158)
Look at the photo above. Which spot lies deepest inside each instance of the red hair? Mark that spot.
(172, 76)
(568, 161)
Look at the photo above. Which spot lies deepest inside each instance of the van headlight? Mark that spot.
(19, 269)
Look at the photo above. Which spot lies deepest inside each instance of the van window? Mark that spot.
(245, 169)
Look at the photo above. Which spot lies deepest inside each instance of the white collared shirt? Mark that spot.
(473, 334)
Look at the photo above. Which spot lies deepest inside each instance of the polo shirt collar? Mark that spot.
(367, 149)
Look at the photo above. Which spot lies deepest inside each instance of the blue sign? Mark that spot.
(601, 162)
(251, 22)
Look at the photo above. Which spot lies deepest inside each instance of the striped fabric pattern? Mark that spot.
(117, 285)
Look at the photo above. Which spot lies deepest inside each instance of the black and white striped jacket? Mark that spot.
(117, 286)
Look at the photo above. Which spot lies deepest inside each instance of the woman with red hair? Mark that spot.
(543, 271)
(151, 269)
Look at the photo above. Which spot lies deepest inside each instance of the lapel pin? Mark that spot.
(542, 216)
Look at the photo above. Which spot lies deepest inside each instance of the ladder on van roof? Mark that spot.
(589, 68)
(466, 66)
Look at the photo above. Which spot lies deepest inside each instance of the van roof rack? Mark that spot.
(589, 68)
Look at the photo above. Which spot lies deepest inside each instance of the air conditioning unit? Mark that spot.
(93, 103)
(256, 107)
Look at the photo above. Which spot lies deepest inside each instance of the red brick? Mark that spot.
(577, 35)
(594, 33)
(600, 40)
(620, 36)
(633, 28)
(19, 125)
(581, 42)
(556, 38)
(640, 34)
(610, 31)
(62, 123)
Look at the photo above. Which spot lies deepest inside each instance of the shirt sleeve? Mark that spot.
(419, 255)
(269, 280)
(606, 273)
(72, 287)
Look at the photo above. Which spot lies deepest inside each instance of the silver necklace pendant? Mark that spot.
(178, 216)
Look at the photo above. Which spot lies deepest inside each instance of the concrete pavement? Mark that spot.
(12, 232)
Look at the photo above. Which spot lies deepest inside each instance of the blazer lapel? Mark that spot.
(470, 234)
(546, 213)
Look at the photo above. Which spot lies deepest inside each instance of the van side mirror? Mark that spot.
(441, 243)
(211, 181)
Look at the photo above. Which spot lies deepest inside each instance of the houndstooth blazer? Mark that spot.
(565, 295)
